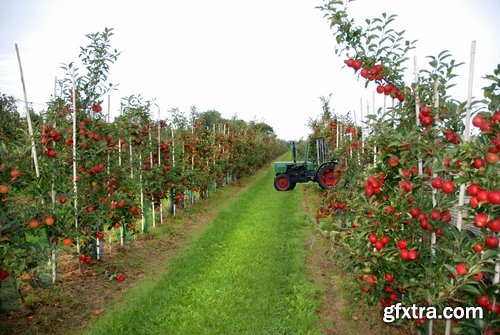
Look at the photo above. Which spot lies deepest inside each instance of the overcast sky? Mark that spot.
(263, 60)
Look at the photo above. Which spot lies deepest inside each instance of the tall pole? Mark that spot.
(28, 117)
(75, 185)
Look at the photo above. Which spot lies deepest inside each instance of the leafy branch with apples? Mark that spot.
(398, 222)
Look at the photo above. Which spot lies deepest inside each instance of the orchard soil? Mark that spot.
(82, 295)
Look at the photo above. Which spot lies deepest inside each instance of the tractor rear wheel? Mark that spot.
(282, 182)
(326, 176)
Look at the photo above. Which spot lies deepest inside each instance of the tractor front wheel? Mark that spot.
(326, 176)
(282, 182)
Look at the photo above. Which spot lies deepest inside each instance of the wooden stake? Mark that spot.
(417, 109)
(75, 186)
(159, 159)
(151, 164)
(28, 117)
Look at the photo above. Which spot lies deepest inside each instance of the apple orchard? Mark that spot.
(415, 214)
(75, 178)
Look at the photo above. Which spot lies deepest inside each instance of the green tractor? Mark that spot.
(318, 169)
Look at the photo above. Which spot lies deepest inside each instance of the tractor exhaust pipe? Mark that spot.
(294, 152)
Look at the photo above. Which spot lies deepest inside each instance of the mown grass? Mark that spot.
(245, 274)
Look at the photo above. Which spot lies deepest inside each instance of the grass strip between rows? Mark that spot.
(244, 275)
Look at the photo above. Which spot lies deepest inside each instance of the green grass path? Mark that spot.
(244, 274)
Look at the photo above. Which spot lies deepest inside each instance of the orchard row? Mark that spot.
(415, 215)
(70, 174)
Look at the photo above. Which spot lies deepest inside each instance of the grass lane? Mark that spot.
(244, 275)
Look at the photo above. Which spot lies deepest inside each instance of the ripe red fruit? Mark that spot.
(100, 235)
(404, 254)
(478, 276)
(473, 189)
(3, 274)
(491, 241)
(482, 196)
(390, 209)
(378, 245)
(402, 244)
(494, 197)
(67, 241)
(486, 126)
(483, 301)
(412, 254)
(34, 224)
(393, 161)
(414, 212)
(388, 88)
(52, 154)
(393, 296)
(389, 278)
(425, 224)
(425, 111)
(494, 225)
(349, 62)
(120, 278)
(427, 120)
(406, 186)
(372, 238)
(435, 215)
(384, 240)
(96, 108)
(481, 220)
(49, 220)
(496, 117)
(478, 163)
(473, 202)
(478, 120)
(461, 269)
(421, 321)
(357, 64)
(448, 187)
(478, 248)
(491, 157)
(380, 89)
(452, 137)
(437, 183)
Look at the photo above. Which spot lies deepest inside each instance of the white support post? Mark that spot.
(28, 117)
